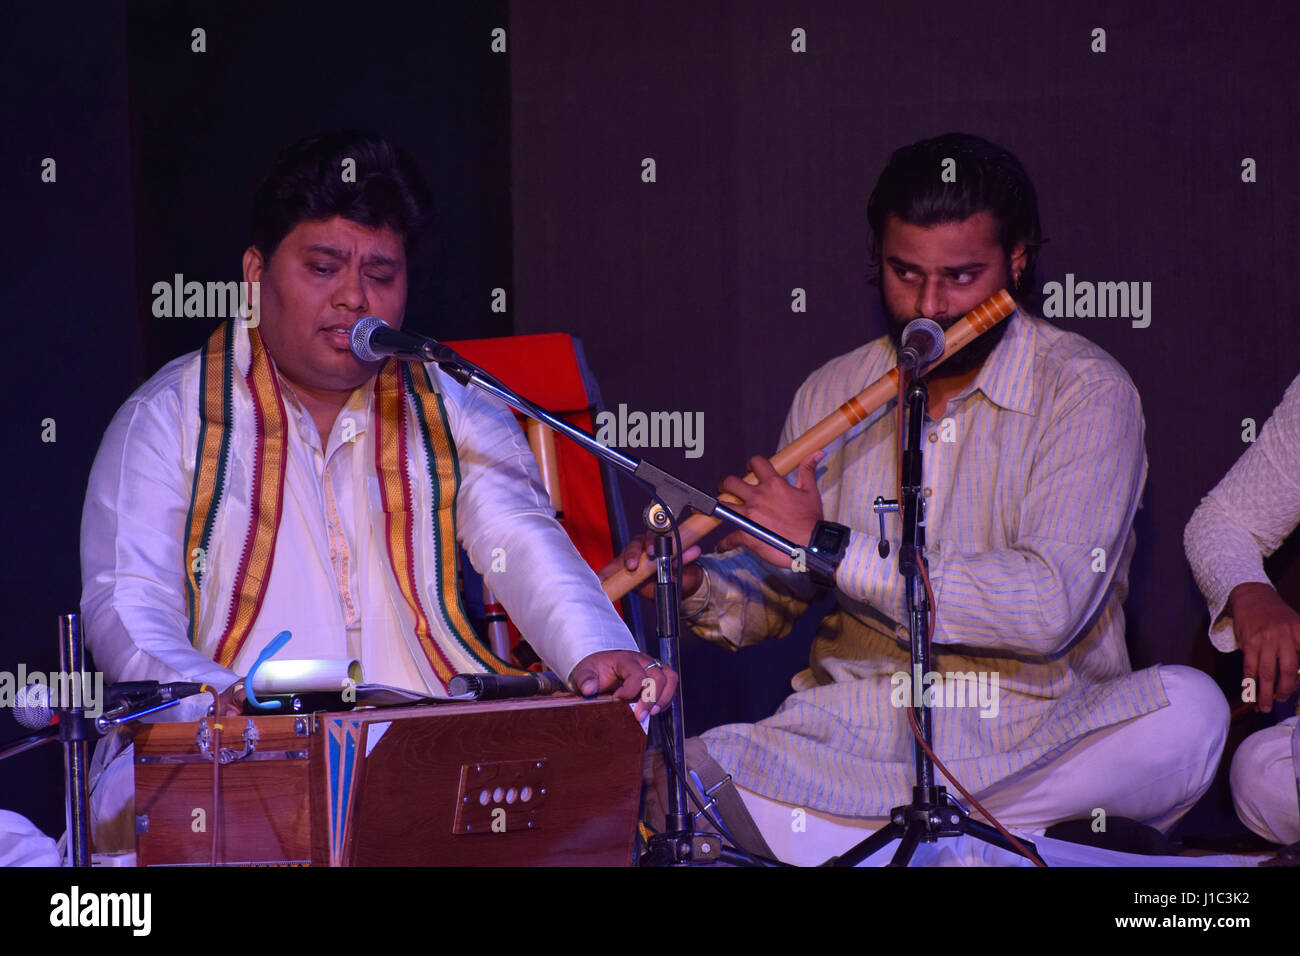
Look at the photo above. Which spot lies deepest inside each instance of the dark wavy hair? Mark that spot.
(988, 179)
(306, 183)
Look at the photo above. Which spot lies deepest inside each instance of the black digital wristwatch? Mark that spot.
(826, 551)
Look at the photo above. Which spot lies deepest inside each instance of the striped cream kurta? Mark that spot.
(1029, 530)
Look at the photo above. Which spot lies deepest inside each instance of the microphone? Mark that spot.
(372, 338)
(32, 703)
(32, 707)
(502, 686)
(138, 690)
(923, 342)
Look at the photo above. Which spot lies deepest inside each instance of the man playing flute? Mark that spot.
(1034, 466)
(274, 481)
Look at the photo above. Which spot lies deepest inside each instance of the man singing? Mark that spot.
(274, 481)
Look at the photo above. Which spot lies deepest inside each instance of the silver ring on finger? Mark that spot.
(653, 664)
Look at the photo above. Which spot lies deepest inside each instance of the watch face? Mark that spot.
(828, 539)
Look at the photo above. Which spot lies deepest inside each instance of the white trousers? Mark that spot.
(1264, 787)
(1152, 769)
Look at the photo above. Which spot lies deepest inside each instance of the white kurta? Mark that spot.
(1247, 515)
(1243, 520)
(330, 582)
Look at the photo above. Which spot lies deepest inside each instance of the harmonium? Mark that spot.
(538, 781)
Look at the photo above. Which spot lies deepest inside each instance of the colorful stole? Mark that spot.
(397, 390)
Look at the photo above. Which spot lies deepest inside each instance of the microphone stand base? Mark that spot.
(682, 848)
(932, 814)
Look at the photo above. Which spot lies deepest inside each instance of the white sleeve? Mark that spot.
(1247, 515)
(133, 584)
(508, 528)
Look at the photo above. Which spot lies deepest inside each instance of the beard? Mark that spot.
(960, 362)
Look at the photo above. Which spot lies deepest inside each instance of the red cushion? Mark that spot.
(544, 369)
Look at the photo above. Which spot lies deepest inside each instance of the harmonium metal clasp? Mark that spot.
(204, 740)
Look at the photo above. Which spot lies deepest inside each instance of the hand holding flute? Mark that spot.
(626, 572)
(792, 511)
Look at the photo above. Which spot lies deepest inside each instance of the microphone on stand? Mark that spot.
(372, 338)
(32, 707)
(923, 342)
(137, 690)
(33, 710)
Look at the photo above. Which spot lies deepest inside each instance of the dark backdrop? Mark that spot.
(74, 347)
(680, 288)
(205, 128)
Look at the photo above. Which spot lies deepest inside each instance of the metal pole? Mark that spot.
(76, 765)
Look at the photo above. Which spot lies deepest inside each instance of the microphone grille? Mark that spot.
(463, 684)
(360, 339)
(32, 707)
(937, 338)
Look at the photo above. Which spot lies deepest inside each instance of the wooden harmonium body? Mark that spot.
(542, 781)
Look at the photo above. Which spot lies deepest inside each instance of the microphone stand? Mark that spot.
(76, 743)
(680, 844)
(75, 730)
(932, 813)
